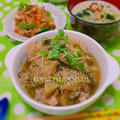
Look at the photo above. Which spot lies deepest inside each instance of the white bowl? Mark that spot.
(56, 13)
(109, 71)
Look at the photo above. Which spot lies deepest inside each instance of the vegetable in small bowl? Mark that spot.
(98, 19)
(29, 20)
(32, 19)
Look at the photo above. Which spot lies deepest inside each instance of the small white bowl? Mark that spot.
(57, 14)
(108, 65)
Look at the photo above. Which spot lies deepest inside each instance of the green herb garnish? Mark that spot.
(43, 53)
(27, 26)
(48, 14)
(85, 12)
(21, 6)
(81, 65)
(57, 46)
(80, 14)
(44, 29)
(27, 8)
(110, 17)
(61, 48)
(78, 53)
(53, 54)
(53, 42)
(71, 60)
(17, 22)
(60, 35)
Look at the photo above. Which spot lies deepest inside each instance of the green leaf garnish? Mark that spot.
(53, 54)
(85, 12)
(57, 46)
(63, 48)
(27, 8)
(61, 32)
(43, 53)
(60, 35)
(78, 53)
(48, 14)
(71, 60)
(27, 26)
(17, 22)
(80, 14)
(21, 6)
(42, 41)
(81, 65)
(110, 17)
(53, 42)
(44, 29)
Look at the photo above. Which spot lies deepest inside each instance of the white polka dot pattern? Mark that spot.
(2, 47)
(1, 14)
(7, 8)
(19, 109)
(6, 74)
(107, 99)
(116, 52)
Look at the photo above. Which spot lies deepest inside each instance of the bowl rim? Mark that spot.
(58, 108)
(92, 23)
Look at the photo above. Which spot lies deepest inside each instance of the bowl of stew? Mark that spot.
(99, 19)
(57, 77)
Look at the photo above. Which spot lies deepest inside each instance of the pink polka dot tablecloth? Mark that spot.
(110, 99)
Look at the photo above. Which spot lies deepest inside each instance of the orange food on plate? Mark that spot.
(32, 19)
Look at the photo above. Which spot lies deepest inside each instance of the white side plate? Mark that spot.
(57, 14)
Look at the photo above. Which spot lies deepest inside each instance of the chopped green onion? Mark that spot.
(44, 29)
(43, 53)
(27, 26)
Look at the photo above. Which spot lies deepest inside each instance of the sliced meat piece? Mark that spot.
(83, 96)
(51, 101)
(30, 49)
(39, 96)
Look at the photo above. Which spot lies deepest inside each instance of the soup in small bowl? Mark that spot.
(95, 17)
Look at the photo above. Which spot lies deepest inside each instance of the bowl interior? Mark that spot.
(93, 47)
